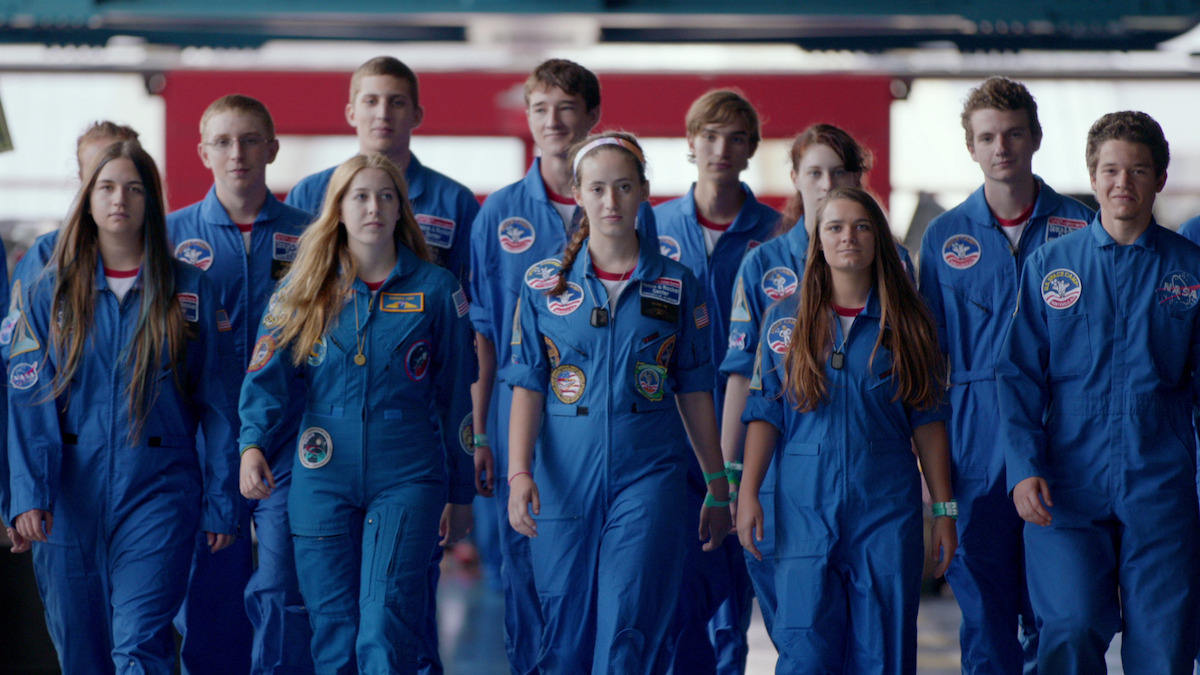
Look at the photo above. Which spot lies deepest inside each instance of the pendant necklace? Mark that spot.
(359, 358)
(837, 360)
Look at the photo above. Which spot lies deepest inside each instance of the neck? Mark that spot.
(399, 156)
(1125, 232)
(556, 173)
(718, 202)
(243, 208)
(122, 253)
(1010, 199)
(850, 289)
(613, 254)
(374, 262)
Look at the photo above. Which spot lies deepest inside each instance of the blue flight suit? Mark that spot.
(715, 606)
(445, 209)
(126, 513)
(517, 227)
(5, 338)
(849, 547)
(611, 458)
(1098, 381)
(237, 618)
(769, 273)
(372, 478)
(969, 276)
(1190, 229)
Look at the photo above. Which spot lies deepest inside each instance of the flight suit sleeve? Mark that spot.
(484, 274)
(466, 210)
(530, 367)
(692, 367)
(766, 401)
(454, 368)
(265, 386)
(747, 310)
(931, 289)
(1022, 388)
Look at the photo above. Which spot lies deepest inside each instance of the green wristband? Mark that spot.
(947, 509)
(710, 500)
(733, 473)
(480, 441)
(247, 448)
(710, 477)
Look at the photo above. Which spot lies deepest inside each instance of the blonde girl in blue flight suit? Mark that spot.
(609, 345)
(380, 336)
(848, 373)
(117, 355)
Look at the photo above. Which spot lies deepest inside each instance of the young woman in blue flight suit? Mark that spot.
(823, 157)
(380, 336)
(1098, 379)
(118, 356)
(604, 355)
(848, 376)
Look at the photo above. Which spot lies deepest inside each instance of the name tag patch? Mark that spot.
(439, 232)
(1057, 226)
(190, 304)
(284, 246)
(402, 302)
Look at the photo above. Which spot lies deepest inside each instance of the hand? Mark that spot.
(1029, 496)
(521, 494)
(255, 478)
(485, 471)
(218, 541)
(19, 544)
(945, 543)
(750, 524)
(456, 524)
(34, 525)
(715, 525)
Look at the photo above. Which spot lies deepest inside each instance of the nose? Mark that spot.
(825, 182)
(236, 148)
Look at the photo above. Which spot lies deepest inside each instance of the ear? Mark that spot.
(202, 150)
(350, 114)
(272, 150)
(593, 118)
(1161, 182)
(418, 117)
(645, 191)
(577, 195)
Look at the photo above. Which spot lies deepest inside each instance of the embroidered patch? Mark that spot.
(1057, 226)
(264, 349)
(439, 232)
(402, 302)
(551, 352)
(650, 380)
(316, 448)
(663, 357)
(461, 305)
(516, 235)
(273, 317)
(516, 324)
(466, 434)
(669, 247)
(23, 339)
(1179, 291)
(284, 247)
(23, 375)
(316, 355)
(196, 252)
(961, 251)
(416, 363)
(1061, 288)
(543, 275)
(737, 340)
(741, 310)
(189, 304)
(568, 383)
(700, 315)
(15, 308)
(756, 378)
(223, 324)
(779, 282)
(665, 289)
(780, 335)
(566, 302)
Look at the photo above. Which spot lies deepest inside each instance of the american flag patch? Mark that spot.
(700, 314)
(223, 324)
(460, 302)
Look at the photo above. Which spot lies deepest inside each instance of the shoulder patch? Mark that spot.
(402, 302)
(779, 282)
(756, 378)
(439, 232)
(223, 325)
(466, 434)
(700, 315)
(665, 350)
(1061, 288)
(461, 304)
(961, 251)
(741, 310)
(1179, 291)
(737, 340)
(669, 247)
(568, 383)
(516, 235)
(566, 302)
(1057, 226)
(15, 308)
(264, 349)
(543, 274)
(779, 335)
(189, 304)
(23, 339)
(23, 375)
(551, 351)
(196, 252)
(516, 323)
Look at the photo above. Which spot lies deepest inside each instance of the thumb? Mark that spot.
(1044, 489)
(536, 501)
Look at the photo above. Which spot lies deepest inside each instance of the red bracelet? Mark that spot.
(510, 478)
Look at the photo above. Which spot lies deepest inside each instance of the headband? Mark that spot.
(607, 140)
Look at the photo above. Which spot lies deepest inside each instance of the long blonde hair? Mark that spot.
(160, 319)
(311, 296)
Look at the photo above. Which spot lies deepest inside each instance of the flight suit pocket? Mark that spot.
(559, 569)
(1070, 345)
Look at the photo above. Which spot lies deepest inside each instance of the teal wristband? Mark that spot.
(733, 473)
(948, 509)
(710, 477)
(249, 447)
(480, 441)
(710, 500)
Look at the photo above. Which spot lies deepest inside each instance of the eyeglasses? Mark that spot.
(224, 144)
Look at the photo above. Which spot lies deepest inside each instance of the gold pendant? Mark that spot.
(360, 360)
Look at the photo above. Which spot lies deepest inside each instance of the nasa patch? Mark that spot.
(316, 355)
(566, 302)
(189, 304)
(779, 282)
(961, 251)
(1057, 226)
(23, 375)
(416, 362)
(543, 274)
(737, 340)
(284, 247)
(664, 289)
(568, 383)
(466, 434)
(669, 247)
(1179, 291)
(516, 235)
(316, 448)
(1061, 288)
(649, 380)
(264, 349)
(439, 232)
(780, 335)
(196, 252)
(402, 302)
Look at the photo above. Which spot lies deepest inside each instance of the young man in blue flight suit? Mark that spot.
(518, 228)
(1098, 379)
(385, 109)
(245, 240)
(709, 230)
(971, 261)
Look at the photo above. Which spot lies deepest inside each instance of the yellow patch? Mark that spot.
(402, 302)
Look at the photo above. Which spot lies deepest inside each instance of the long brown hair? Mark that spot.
(573, 247)
(906, 327)
(160, 319)
(856, 158)
(311, 296)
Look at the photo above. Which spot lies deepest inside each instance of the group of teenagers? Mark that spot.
(675, 409)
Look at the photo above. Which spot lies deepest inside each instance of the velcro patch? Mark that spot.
(402, 302)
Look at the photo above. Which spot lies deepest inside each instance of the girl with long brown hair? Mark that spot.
(118, 355)
(379, 335)
(848, 375)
